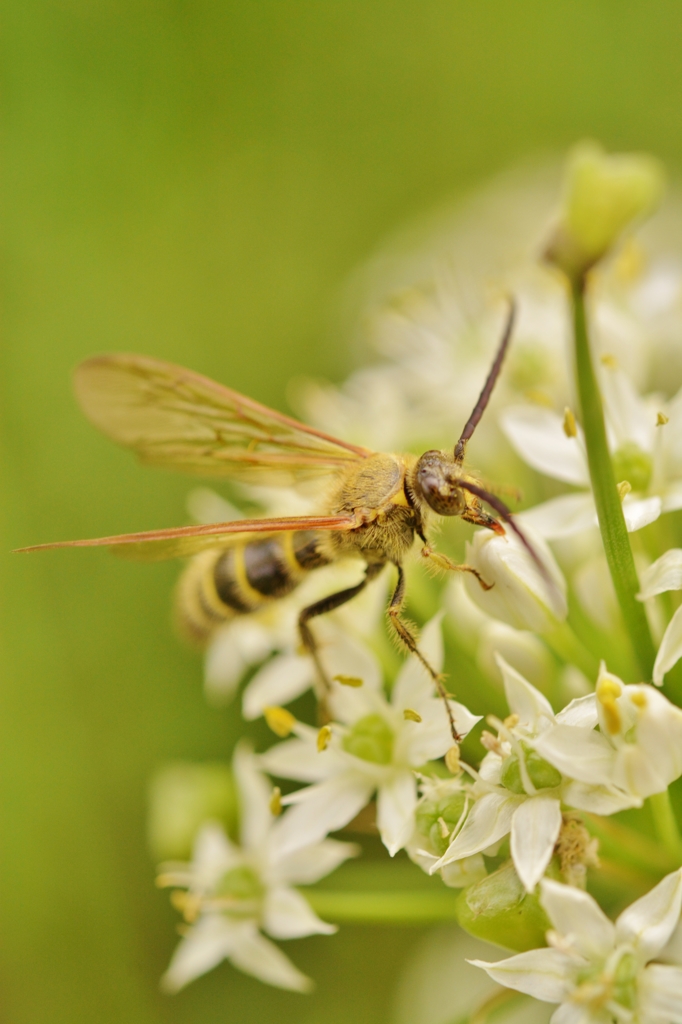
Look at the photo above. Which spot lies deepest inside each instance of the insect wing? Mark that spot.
(180, 541)
(176, 418)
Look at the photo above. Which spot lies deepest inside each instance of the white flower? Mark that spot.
(521, 792)
(597, 971)
(373, 745)
(428, 306)
(234, 893)
(519, 594)
(638, 747)
(644, 436)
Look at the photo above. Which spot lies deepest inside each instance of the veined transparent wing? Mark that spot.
(173, 417)
(180, 541)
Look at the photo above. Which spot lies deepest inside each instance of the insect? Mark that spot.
(376, 503)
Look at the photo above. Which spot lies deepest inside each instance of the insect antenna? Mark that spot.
(505, 514)
(487, 391)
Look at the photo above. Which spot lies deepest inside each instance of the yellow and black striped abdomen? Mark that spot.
(227, 581)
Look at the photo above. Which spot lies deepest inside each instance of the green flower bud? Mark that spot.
(182, 797)
(632, 464)
(371, 739)
(437, 818)
(499, 910)
(603, 195)
(542, 774)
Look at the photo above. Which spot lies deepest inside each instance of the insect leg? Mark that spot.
(443, 562)
(407, 638)
(329, 604)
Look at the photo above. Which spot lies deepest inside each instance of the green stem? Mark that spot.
(390, 907)
(606, 498)
(666, 824)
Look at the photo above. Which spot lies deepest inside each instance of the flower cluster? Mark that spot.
(552, 764)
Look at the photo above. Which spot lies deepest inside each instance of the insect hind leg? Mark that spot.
(407, 638)
(322, 607)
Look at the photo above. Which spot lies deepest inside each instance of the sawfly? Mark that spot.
(376, 503)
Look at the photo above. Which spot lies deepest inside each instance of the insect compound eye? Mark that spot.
(436, 478)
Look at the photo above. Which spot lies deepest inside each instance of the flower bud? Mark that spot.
(520, 594)
(603, 196)
(498, 909)
(182, 797)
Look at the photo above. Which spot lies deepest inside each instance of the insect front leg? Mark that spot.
(407, 638)
(442, 561)
(322, 607)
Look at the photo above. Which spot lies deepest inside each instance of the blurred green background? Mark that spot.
(194, 181)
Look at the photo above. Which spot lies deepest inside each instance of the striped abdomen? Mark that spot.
(223, 582)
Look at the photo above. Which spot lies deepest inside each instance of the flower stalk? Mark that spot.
(665, 823)
(604, 486)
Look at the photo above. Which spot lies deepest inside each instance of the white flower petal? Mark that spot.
(254, 790)
(488, 821)
(396, 801)
(650, 921)
(561, 517)
(659, 990)
(537, 434)
(322, 808)
(208, 942)
(300, 759)
(545, 974)
(308, 865)
(639, 512)
(256, 955)
(288, 915)
(523, 699)
(670, 651)
(672, 497)
(602, 800)
(582, 711)
(578, 918)
(672, 951)
(534, 831)
(628, 413)
(233, 649)
(571, 1013)
(413, 682)
(283, 679)
(346, 656)
(664, 574)
(578, 752)
(213, 853)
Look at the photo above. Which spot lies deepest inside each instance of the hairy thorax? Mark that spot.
(375, 488)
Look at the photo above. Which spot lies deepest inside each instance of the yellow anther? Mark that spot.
(279, 720)
(609, 361)
(323, 738)
(411, 716)
(608, 687)
(276, 802)
(570, 428)
(638, 699)
(189, 905)
(511, 721)
(452, 760)
(661, 419)
(444, 830)
(348, 681)
(607, 692)
(491, 742)
(624, 487)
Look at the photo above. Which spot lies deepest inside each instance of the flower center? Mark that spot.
(371, 738)
(616, 983)
(542, 774)
(239, 884)
(632, 464)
